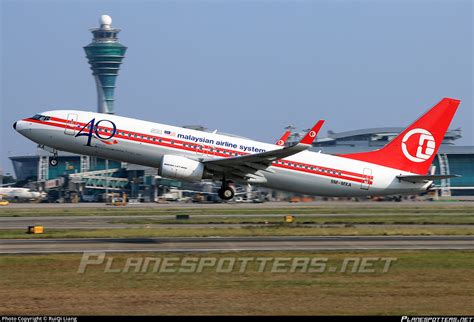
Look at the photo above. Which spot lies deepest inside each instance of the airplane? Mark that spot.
(19, 194)
(400, 167)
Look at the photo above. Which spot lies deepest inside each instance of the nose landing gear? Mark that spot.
(53, 161)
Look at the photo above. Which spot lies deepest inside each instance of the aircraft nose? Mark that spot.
(19, 125)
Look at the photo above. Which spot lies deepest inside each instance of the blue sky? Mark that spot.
(243, 67)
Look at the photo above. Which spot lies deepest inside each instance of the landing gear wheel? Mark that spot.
(226, 193)
(53, 162)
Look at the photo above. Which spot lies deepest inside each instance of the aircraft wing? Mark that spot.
(247, 166)
(418, 179)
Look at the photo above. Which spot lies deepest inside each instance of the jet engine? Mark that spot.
(176, 167)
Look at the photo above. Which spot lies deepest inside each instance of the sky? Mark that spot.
(244, 67)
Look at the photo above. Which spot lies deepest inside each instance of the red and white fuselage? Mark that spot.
(151, 144)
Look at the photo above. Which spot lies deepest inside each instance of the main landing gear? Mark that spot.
(226, 192)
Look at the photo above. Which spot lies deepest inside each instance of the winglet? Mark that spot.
(311, 135)
(282, 140)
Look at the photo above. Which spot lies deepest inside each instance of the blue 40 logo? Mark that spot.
(93, 129)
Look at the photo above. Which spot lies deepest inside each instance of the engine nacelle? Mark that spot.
(176, 167)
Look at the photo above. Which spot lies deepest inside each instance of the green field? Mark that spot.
(418, 283)
(327, 208)
(415, 219)
(244, 231)
(342, 219)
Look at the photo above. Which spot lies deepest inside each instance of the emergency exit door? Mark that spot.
(71, 125)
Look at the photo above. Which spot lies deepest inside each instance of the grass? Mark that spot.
(419, 283)
(344, 225)
(369, 208)
(421, 219)
(244, 231)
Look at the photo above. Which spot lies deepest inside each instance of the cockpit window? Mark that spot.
(41, 117)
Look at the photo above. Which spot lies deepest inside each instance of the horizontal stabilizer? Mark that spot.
(418, 179)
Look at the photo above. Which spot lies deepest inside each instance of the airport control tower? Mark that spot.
(105, 55)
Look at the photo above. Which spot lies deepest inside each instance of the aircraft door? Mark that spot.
(367, 177)
(71, 124)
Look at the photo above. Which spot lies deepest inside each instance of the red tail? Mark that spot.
(414, 149)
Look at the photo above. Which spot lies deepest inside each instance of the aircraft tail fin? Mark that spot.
(414, 149)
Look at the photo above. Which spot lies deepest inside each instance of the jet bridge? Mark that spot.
(101, 179)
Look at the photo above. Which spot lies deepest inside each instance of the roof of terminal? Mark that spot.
(452, 134)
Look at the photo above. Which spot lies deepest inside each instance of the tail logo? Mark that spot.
(424, 148)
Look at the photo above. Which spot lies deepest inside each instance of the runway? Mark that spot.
(225, 244)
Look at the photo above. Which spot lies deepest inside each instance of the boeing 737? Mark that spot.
(400, 167)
